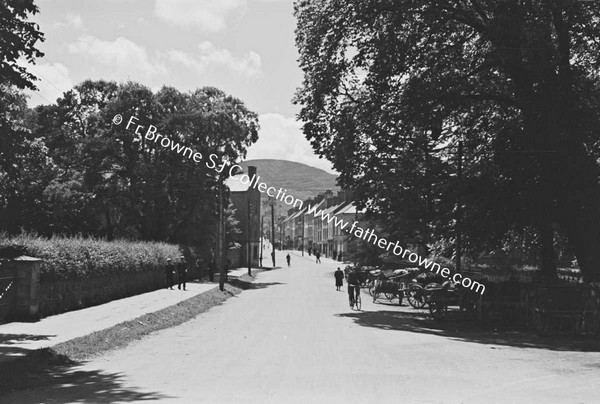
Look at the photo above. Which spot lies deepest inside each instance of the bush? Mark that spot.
(82, 258)
(81, 272)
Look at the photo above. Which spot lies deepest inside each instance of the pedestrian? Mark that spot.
(170, 273)
(211, 271)
(199, 268)
(273, 258)
(339, 279)
(182, 269)
(340, 256)
(318, 255)
(334, 256)
(288, 259)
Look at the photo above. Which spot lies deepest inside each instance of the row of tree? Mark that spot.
(66, 168)
(467, 124)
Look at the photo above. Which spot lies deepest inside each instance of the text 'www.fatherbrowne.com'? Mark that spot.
(151, 134)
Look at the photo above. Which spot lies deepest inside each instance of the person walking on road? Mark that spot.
(318, 256)
(288, 259)
(170, 273)
(182, 273)
(339, 279)
(273, 258)
(353, 286)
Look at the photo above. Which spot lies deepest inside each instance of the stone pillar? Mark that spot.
(28, 288)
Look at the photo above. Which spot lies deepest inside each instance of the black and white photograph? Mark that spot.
(300, 201)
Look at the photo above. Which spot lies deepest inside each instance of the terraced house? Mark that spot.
(314, 226)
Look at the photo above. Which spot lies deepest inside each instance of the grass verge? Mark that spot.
(42, 366)
(126, 332)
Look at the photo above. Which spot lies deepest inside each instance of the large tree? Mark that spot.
(393, 88)
(110, 182)
(18, 38)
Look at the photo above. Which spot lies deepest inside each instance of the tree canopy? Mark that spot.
(393, 89)
(97, 178)
(18, 38)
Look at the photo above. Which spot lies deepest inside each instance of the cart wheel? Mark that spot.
(415, 298)
(541, 323)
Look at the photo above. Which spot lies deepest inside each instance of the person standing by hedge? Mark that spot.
(170, 273)
(339, 279)
(182, 273)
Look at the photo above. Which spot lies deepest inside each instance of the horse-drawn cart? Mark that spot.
(390, 288)
(572, 308)
(450, 294)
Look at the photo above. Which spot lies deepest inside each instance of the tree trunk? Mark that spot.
(547, 254)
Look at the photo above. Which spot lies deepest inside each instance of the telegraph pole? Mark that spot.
(273, 229)
(262, 235)
(220, 237)
(249, 235)
(303, 234)
(458, 209)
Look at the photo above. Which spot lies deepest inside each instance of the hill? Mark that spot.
(300, 180)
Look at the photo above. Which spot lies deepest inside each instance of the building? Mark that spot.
(303, 229)
(246, 202)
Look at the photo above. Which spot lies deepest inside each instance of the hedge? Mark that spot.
(80, 258)
(79, 272)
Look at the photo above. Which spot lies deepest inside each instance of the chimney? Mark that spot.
(251, 171)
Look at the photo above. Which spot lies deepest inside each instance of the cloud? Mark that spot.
(72, 20)
(54, 80)
(282, 138)
(209, 15)
(124, 57)
(209, 55)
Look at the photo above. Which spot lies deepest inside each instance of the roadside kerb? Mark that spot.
(18, 339)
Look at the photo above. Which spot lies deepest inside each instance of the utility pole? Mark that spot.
(220, 237)
(459, 209)
(280, 236)
(262, 236)
(249, 235)
(273, 229)
(303, 234)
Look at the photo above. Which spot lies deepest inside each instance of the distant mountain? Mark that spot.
(300, 180)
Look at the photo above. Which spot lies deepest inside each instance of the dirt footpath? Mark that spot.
(291, 338)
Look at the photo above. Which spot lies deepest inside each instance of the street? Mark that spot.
(292, 338)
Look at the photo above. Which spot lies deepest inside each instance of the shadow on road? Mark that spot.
(7, 342)
(44, 377)
(419, 322)
(252, 285)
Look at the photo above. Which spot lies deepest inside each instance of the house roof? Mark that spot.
(351, 209)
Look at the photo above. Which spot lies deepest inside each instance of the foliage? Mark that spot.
(18, 37)
(99, 179)
(392, 89)
(85, 258)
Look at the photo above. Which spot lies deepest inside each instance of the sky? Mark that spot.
(244, 47)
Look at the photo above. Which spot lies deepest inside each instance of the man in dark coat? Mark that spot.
(170, 273)
(211, 271)
(182, 273)
(339, 279)
(288, 259)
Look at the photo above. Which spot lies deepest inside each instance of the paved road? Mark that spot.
(293, 339)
